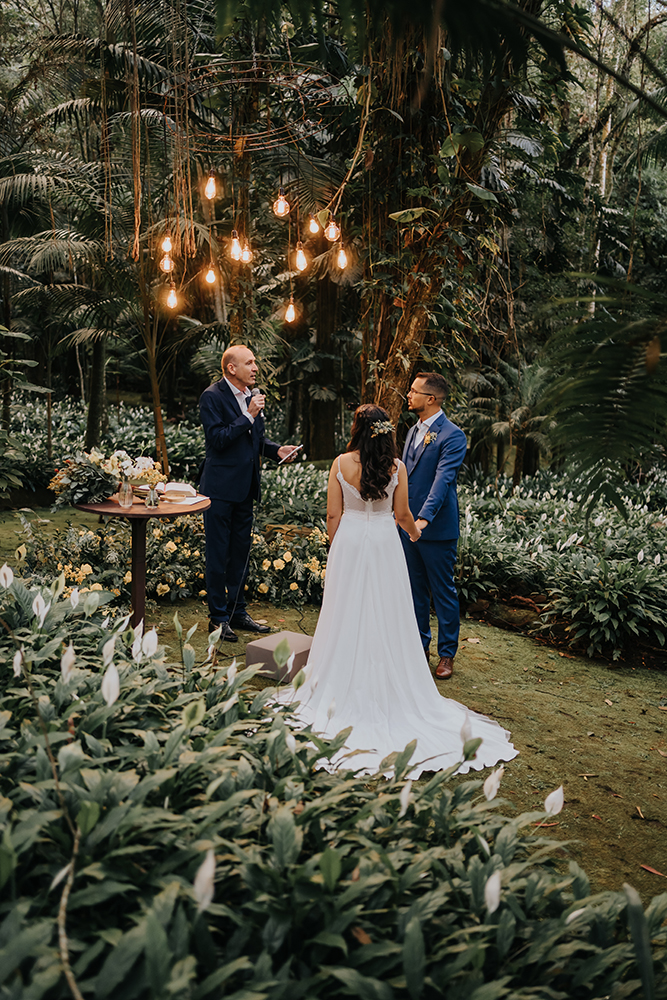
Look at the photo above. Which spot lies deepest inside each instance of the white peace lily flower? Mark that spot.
(107, 650)
(657, 559)
(466, 730)
(211, 651)
(640, 556)
(204, 883)
(18, 662)
(111, 685)
(290, 743)
(492, 783)
(149, 643)
(331, 711)
(40, 609)
(492, 892)
(231, 673)
(573, 916)
(404, 798)
(554, 802)
(74, 599)
(67, 663)
(105, 623)
(6, 576)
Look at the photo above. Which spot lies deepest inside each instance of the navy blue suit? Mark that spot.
(432, 470)
(231, 478)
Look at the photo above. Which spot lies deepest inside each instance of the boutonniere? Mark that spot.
(430, 436)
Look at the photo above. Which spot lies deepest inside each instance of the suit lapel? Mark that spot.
(435, 426)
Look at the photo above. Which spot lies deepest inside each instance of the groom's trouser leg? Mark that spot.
(439, 559)
(421, 594)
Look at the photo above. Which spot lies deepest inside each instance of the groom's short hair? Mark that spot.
(436, 384)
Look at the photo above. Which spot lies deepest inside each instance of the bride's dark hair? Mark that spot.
(374, 438)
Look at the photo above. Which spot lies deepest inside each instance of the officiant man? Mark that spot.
(433, 453)
(233, 421)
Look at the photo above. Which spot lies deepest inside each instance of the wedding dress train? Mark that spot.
(367, 668)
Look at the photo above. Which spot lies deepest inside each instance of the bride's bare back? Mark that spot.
(350, 468)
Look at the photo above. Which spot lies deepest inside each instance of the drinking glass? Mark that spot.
(125, 494)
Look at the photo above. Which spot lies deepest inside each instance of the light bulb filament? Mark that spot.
(172, 298)
(167, 244)
(332, 231)
(341, 259)
(167, 264)
(301, 259)
(290, 312)
(209, 190)
(281, 205)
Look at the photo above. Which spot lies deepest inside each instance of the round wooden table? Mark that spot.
(138, 514)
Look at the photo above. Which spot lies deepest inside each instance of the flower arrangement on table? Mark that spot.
(89, 477)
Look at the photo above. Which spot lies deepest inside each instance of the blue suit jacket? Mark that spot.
(233, 446)
(432, 476)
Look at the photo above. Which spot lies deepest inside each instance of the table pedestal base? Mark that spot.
(138, 571)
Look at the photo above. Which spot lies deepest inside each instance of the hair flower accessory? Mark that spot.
(381, 427)
(430, 436)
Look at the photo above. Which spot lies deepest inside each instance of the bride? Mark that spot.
(366, 667)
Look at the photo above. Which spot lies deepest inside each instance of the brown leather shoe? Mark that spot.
(445, 668)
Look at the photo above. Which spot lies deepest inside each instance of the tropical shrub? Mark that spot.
(12, 463)
(167, 833)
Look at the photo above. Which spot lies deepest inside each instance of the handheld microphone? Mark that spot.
(256, 392)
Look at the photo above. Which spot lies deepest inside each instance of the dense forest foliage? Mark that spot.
(494, 172)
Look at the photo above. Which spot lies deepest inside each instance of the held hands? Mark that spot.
(416, 535)
(420, 524)
(256, 404)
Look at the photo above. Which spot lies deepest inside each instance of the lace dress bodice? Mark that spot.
(355, 506)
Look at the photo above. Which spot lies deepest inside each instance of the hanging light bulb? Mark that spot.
(281, 205)
(172, 298)
(313, 225)
(246, 253)
(167, 264)
(166, 244)
(210, 275)
(301, 259)
(235, 248)
(332, 231)
(290, 312)
(209, 190)
(341, 259)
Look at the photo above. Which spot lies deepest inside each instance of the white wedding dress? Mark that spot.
(367, 668)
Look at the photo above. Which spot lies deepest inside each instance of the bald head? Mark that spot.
(239, 366)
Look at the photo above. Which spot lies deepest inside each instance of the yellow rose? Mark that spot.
(278, 564)
(96, 586)
(323, 573)
(170, 547)
(263, 588)
(266, 564)
(157, 533)
(196, 553)
(294, 586)
(202, 593)
(287, 556)
(85, 569)
(128, 577)
(162, 589)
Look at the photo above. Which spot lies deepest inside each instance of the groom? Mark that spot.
(433, 453)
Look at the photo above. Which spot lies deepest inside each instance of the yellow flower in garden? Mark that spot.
(96, 586)
(180, 582)
(116, 591)
(202, 593)
(266, 564)
(287, 556)
(162, 589)
(128, 577)
(323, 573)
(196, 553)
(157, 533)
(294, 586)
(263, 588)
(85, 569)
(170, 547)
(278, 564)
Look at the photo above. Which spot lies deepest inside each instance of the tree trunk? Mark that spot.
(322, 423)
(97, 395)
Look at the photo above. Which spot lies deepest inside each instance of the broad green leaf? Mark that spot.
(282, 653)
(403, 759)
(7, 856)
(331, 940)
(481, 192)
(361, 986)
(640, 939)
(193, 713)
(87, 817)
(189, 657)
(119, 961)
(331, 867)
(285, 837)
(409, 214)
(220, 976)
(414, 958)
(28, 942)
(158, 954)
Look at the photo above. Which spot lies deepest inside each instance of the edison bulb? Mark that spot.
(209, 190)
(332, 231)
(313, 225)
(341, 259)
(246, 254)
(167, 264)
(281, 205)
(301, 259)
(172, 298)
(210, 276)
(290, 312)
(166, 244)
(235, 248)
